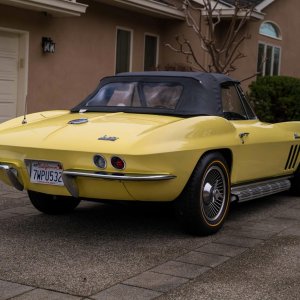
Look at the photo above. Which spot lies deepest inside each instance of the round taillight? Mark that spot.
(118, 163)
(100, 161)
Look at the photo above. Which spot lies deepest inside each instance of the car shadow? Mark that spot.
(127, 219)
(92, 219)
(261, 208)
(139, 219)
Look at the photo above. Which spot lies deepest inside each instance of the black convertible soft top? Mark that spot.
(220, 78)
(201, 93)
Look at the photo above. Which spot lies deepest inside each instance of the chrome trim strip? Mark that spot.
(69, 178)
(118, 176)
(11, 176)
(261, 189)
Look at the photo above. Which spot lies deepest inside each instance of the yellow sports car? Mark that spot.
(186, 137)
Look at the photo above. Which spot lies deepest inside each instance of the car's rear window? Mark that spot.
(137, 94)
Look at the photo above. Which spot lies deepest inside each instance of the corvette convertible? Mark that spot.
(189, 138)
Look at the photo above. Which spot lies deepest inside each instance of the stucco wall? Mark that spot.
(172, 29)
(85, 50)
(285, 14)
(85, 47)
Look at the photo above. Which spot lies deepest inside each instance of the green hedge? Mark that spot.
(276, 98)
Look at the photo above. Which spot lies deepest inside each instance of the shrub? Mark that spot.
(276, 98)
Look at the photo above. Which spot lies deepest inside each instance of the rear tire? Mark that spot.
(204, 203)
(51, 204)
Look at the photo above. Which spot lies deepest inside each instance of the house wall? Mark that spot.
(285, 15)
(85, 50)
(173, 29)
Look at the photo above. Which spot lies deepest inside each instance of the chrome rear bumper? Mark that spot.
(69, 177)
(12, 176)
(117, 176)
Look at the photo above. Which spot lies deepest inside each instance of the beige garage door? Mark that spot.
(9, 58)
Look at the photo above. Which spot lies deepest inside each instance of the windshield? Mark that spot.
(137, 94)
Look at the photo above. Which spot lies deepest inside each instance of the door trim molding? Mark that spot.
(22, 68)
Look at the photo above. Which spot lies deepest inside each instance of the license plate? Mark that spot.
(46, 173)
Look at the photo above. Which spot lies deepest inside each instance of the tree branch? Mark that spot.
(222, 55)
(185, 47)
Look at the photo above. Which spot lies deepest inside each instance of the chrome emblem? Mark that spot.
(108, 138)
(78, 121)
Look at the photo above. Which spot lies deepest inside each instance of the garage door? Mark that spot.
(9, 58)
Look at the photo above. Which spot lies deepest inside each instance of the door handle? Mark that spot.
(242, 135)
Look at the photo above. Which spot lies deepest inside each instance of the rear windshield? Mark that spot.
(137, 94)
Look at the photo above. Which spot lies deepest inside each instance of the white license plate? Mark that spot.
(45, 172)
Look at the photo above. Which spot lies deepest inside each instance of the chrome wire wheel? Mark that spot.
(205, 200)
(213, 195)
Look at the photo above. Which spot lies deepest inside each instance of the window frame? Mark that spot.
(263, 73)
(157, 48)
(249, 113)
(276, 28)
(247, 107)
(130, 45)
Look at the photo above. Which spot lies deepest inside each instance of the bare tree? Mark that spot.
(205, 20)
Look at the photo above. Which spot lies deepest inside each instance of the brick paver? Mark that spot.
(11, 289)
(39, 294)
(222, 249)
(180, 269)
(156, 281)
(203, 259)
(239, 241)
(126, 292)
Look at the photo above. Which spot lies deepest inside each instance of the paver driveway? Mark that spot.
(140, 252)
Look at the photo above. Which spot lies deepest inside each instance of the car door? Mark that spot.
(261, 149)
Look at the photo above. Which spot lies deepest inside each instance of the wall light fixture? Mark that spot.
(48, 45)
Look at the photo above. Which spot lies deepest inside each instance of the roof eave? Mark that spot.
(150, 7)
(53, 7)
(264, 4)
(228, 13)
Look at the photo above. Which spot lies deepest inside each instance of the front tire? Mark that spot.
(51, 204)
(204, 203)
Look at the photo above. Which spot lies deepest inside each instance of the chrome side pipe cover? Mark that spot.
(260, 189)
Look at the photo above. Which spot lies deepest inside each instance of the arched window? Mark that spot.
(269, 53)
(270, 29)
